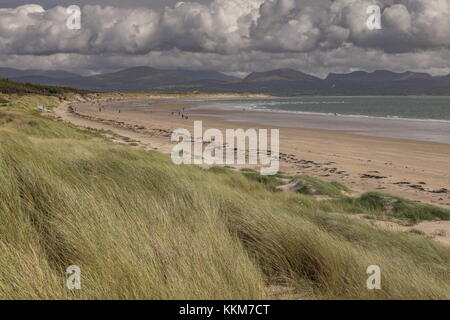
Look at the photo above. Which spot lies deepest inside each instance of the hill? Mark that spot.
(281, 82)
(379, 75)
(16, 73)
(132, 79)
(22, 88)
(280, 75)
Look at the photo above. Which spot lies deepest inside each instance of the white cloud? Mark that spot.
(234, 35)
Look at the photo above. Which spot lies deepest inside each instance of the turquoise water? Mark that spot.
(435, 108)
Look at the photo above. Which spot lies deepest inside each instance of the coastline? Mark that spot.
(429, 130)
(406, 168)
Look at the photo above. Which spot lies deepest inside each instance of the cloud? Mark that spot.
(219, 27)
(302, 26)
(229, 33)
(32, 30)
(408, 25)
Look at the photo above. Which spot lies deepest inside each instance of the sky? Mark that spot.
(231, 36)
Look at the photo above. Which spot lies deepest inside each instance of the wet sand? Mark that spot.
(412, 169)
(409, 129)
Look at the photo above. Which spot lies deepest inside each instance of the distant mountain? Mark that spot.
(414, 76)
(208, 75)
(13, 87)
(139, 78)
(132, 79)
(282, 82)
(379, 75)
(447, 77)
(35, 79)
(57, 74)
(16, 73)
(143, 78)
(280, 75)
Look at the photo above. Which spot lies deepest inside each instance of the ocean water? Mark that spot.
(431, 108)
(411, 118)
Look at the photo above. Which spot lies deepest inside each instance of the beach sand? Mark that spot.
(412, 169)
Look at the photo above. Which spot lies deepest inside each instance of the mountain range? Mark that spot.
(277, 82)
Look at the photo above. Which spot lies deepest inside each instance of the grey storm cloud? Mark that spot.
(221, 31)
(407, 25)
(228, 26)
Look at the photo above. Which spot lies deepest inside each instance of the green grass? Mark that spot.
(270, 183)
(374, 204)
(314, 186)
(419, 232)
(379, 204)
(142, 228)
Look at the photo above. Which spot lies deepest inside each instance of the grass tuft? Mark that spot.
(313, 186)
(386, 205)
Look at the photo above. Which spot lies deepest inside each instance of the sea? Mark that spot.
(424, 108)
(414, 118)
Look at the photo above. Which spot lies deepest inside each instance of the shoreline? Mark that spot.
(389, 126)
(341, 115)
(411, 169)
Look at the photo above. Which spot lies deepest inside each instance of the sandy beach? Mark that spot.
(408, 168)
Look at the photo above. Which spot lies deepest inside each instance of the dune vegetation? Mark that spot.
(14, 87)
(141, 227)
